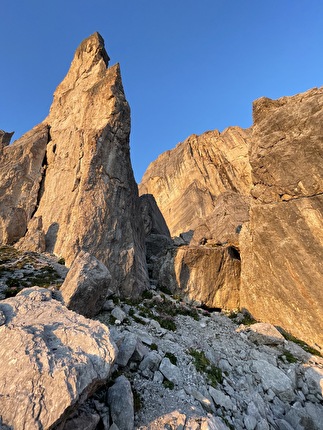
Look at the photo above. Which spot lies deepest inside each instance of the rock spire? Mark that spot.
(86, 194)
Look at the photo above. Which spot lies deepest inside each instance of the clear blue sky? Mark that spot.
(187, 65)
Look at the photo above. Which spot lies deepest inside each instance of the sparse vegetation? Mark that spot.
(154, 347)
(165, 290)
(172, 358)
(203, 365)
(168, 384)
(147, 294)
(246, 319)
(299, 342)
(288, 356)
(137, 403)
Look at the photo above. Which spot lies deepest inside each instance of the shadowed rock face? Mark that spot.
(187, 180)
(87, 196)
(282, 246)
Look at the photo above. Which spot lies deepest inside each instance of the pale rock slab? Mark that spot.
(223, 225)
(61, 356)
(170, 371)
(120, 401)
(274, 379)
(283, 241)
(281, 287)
(86, 285)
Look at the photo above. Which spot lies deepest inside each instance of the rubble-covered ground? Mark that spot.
(192, 369)
(181, 367)
(20, 270)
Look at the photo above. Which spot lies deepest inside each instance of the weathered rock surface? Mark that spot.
(120, 401)
(51, 359)
(34, 239)
(153, 219)
(210, 275)
(286, 152)
(187, 180)
(5, 138)
(86, 285)
(78, 177)
(22, 167)
(223, 225)
(282, 246)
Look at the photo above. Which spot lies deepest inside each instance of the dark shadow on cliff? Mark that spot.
(51, 237)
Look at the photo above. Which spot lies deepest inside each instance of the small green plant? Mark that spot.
(12, 291)
(154, 347)
(136, 400)
(165, 290)
(203, 365)
(167, 323)
(168, 384)
(116, 300)
(172, 358)
(147, 294)
(61, 261)
(112, 320)
(288, 356)
(131, 312)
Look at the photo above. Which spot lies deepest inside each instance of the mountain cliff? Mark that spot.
(252, 197)
(73, 173)
(187, 180)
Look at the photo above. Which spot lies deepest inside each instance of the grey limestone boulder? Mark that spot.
(120, 401)
(86, 285)
(62, 358)
(274, 379)
(170, 371)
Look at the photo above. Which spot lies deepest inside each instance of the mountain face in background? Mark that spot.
(73, 175)
(253, 202)
(187, 180)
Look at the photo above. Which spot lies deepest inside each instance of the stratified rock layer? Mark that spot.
(282, 246)
(51, 360)
(187, 180)
(78, 177)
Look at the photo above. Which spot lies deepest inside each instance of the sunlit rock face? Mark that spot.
(85, 192)
(20, 178)
(282, 246)
(187, 180)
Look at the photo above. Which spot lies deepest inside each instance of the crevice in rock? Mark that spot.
(234, 253)
(42, 181)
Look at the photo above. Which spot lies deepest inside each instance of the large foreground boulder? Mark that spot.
(282, 246)
(51, 359)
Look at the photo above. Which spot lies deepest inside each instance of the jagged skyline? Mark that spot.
(186, 67)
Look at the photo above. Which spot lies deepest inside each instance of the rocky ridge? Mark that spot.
(69, 181)
(257, 243)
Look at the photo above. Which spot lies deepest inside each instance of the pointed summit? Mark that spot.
(85, 193)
